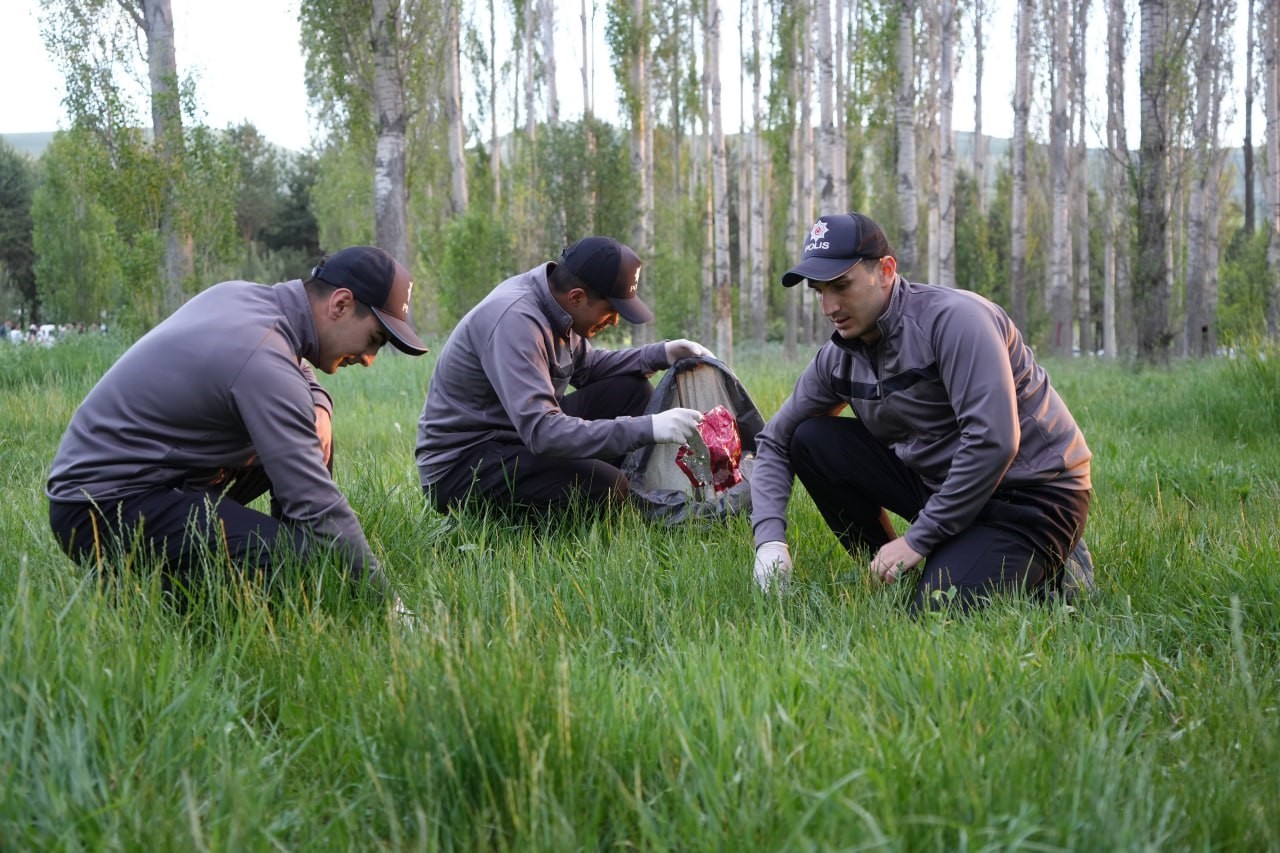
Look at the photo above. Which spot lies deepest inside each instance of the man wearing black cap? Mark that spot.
(957, 430)
(499, 421)
(218, 405)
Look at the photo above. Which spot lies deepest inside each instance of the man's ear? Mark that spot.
(340, 302)
(578, 296)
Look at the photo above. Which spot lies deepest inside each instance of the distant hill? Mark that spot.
(31, 144)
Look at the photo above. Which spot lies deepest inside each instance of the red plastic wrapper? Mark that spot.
(719, 433)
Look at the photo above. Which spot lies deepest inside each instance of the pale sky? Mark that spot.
(248, 64)
(244, 52)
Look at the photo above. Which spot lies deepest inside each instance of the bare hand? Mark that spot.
(324, 431)
(894, 558)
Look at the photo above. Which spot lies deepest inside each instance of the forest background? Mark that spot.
(442, 140)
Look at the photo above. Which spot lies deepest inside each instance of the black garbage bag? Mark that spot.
(660, 485)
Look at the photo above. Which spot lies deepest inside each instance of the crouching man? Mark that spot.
(218, 405)
(958, 430)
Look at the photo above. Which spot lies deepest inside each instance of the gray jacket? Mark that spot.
(502, 374)
(957, 395)
(217, 386)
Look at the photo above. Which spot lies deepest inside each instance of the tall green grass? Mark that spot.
(609, 683)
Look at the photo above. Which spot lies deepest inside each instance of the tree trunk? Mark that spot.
(1058, 296)
(166, 122)
(1021, 119)
(588, 125)
(1151, 277)
(1249, 85)
(458, 197)
(1080, 181)
(495, 143)
(1116, 229)
(808, 195)
(979, 141)
(1198, 329)
(641, 150)
(945, 239)
(826, 154)
(720, 194)
(904, 120)
(389, 196)
(548, 14)
(759, 209)
(1271, 100)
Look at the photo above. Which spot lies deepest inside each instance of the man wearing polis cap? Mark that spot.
(500, 423)
(219, 404)
(957, 431)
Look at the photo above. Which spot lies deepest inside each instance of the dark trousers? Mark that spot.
(512, 475)
(1019, 540)
(182, 527)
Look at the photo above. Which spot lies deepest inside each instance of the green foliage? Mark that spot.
(18, 297)
(92, 253)
(612, 683)
(585, 182)
(1242, 288)
(342, 197)
(477, 256)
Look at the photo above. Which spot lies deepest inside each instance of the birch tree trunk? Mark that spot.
(1080, 179)
(495, 146)
(1250, 84)
(807, 198)
(588, 126)
(1198, 332)
(841, 167)
(458, 196)
(1151, 277)
(759, 209)
(389, 195)
(904, 119)
(1018, 202)
(826, 153)
(796, 212)
(1271, 100)
(1058, 296)
(642, 150)
(166, 124)
(530, 69)
(945, 239)
(1116, 229)
(548, 14)
(979, 140)
(929, 109)
(720, 192)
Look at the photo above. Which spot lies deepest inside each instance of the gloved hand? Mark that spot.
(676, 426)
(773, 566)
(682, 348)
(407, 618)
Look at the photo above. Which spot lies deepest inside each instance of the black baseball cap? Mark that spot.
(379, 281)
(611, 270)
(834, 244)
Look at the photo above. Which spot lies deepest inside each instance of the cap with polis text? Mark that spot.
(379, 281)
(834, 244)
(611, 270)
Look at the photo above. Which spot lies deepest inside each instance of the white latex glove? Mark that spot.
(773, 566)
(682, 348)
(676, 426)
(406, 617)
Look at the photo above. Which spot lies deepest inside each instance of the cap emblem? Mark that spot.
(816, 233)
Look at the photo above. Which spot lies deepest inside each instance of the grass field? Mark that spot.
(610, 684)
